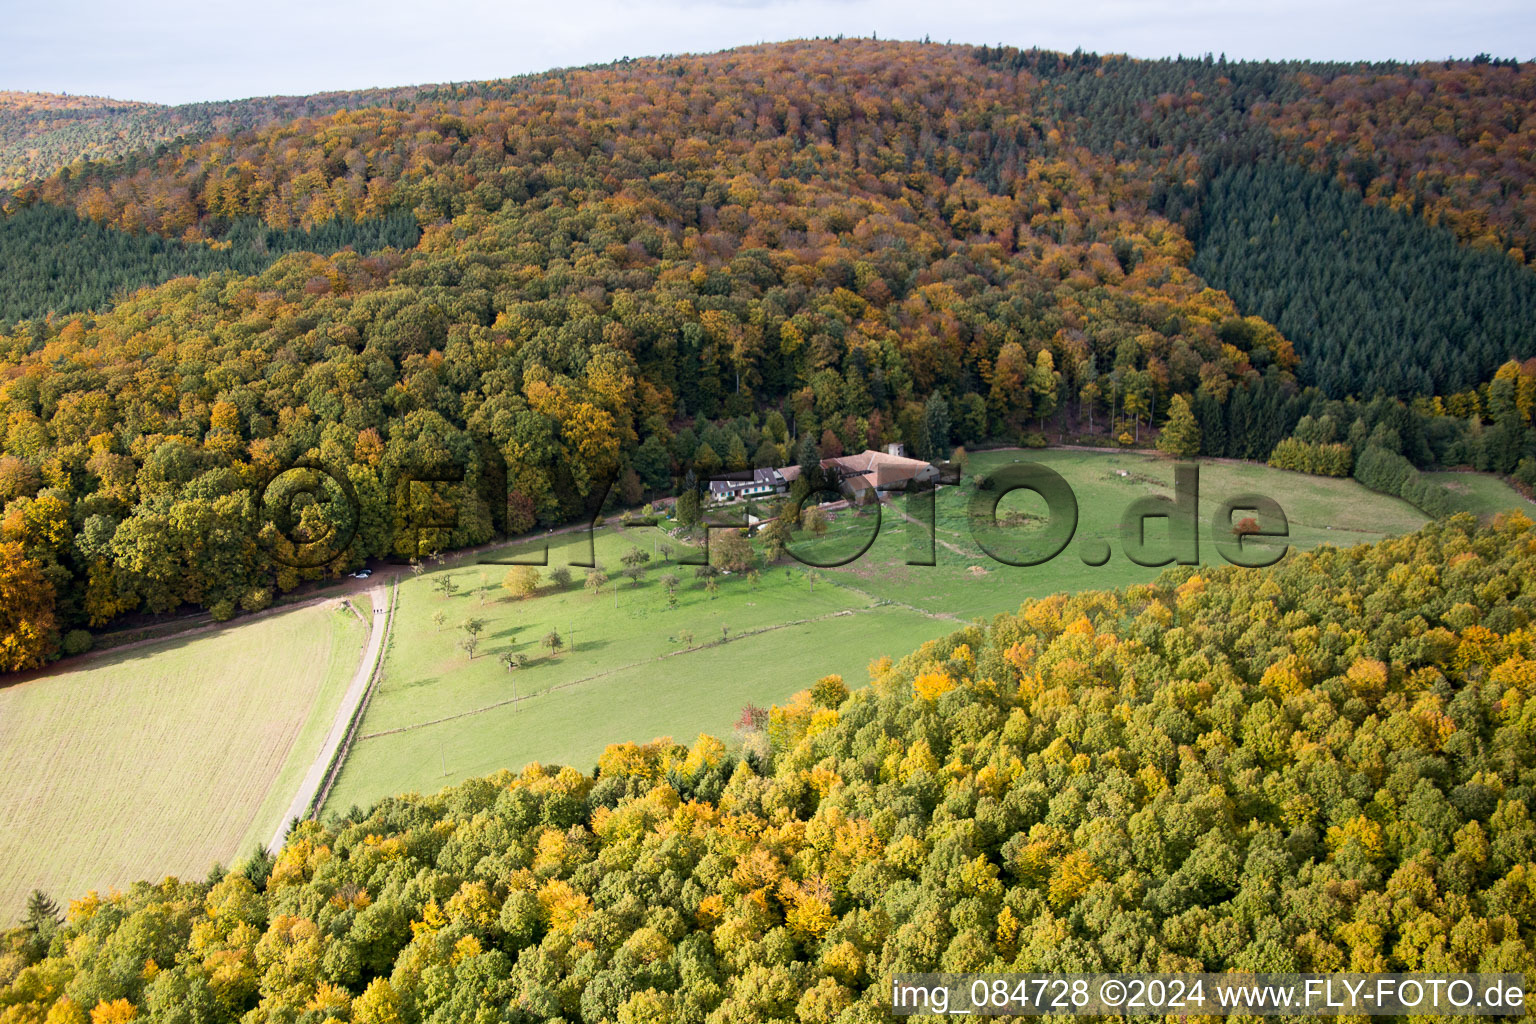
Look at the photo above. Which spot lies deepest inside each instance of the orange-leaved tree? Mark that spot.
(26, 611)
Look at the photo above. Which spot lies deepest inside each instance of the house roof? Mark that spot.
(760, 478)
(868, 468)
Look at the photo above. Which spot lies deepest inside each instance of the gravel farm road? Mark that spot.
(304, 799)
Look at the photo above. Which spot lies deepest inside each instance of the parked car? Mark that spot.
(362, 574)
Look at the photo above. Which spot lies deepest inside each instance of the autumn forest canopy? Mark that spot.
(624, 273)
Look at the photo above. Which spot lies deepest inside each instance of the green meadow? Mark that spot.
(635, 665)
(1482, 494)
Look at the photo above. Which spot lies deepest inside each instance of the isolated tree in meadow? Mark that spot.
(560, 577)
(445, 585)
(666, 552)
(671, 581)
(596, 580)
(732, 551)
(470, 643)
(474, 627)
(712, 587)
(554, 641)
(814, 520)
(775, 536)
(754, 578)
(512, 660)
(521, 581)
(1181, 434)
(634, 573)
(438, 619)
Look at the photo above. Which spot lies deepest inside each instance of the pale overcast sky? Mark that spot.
(174, 51)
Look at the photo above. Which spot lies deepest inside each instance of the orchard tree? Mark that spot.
(732, 551)
(596, 580)
(775, 533)
(521, 581)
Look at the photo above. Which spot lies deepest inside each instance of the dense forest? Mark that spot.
(43, 134)
(57, 262)
(629, 272)
(1327, 766)
(1377, 302)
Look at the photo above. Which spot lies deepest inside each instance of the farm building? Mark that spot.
(762, 482)
(872, 471)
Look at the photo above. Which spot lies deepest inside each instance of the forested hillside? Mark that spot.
(633, 271)
(57, 262)
(1327, 766)
(1378, 302)
(42, 134)
(605, 245)
(1452, 142)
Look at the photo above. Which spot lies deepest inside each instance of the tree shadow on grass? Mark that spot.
(418, 682)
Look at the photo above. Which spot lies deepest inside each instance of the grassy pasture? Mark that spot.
(966, 582)
(167, 758)
(1482, 494)
(628, 668)
(628, 671)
